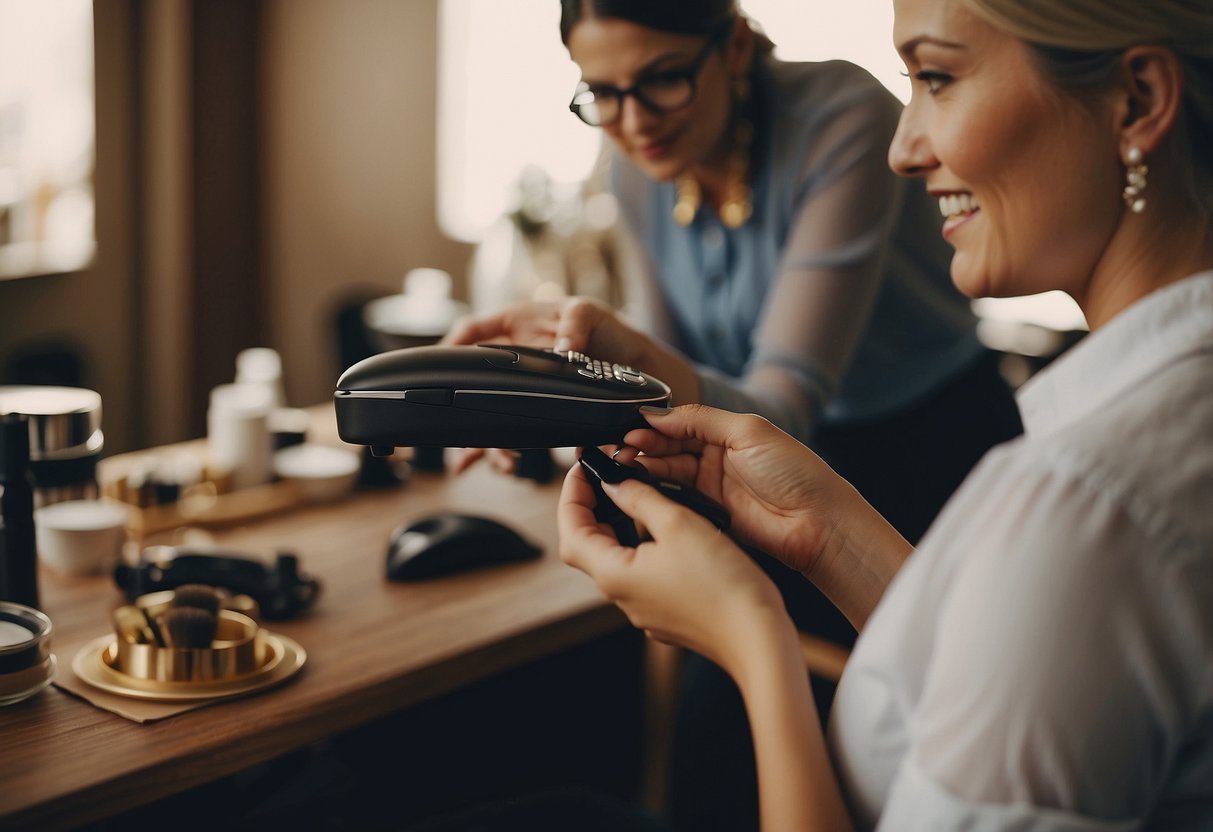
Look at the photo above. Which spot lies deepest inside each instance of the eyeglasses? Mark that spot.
(660, 92)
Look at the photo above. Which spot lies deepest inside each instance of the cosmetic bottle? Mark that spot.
(18, 553)
(65, 439)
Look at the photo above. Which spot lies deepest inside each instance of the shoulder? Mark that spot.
(1151, 452)
(810, 91)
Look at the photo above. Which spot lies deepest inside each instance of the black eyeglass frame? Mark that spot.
(689, 73)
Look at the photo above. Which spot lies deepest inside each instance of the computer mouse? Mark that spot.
(450, 542)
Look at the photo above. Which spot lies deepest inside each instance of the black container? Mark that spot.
(18, 551)
(65, 439)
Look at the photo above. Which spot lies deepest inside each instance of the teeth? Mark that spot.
(953, 205)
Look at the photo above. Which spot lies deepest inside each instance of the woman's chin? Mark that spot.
(659, 170)
(972, 283)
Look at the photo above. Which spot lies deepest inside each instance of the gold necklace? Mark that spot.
(736, 206)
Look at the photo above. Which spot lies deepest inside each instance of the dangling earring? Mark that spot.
(736, 206)
(1135, 180)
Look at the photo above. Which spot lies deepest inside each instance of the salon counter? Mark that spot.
(373, 648)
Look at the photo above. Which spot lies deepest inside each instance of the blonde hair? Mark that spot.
(1078, 43)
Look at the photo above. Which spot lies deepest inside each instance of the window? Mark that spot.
(506, 80)
(46, 136)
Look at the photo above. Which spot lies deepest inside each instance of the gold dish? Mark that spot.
(235, 652)
(279, 658)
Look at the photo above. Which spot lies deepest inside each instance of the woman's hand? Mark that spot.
(577, 324)
(778, 492)
(525, 324)
(690, 585)
(782, 497)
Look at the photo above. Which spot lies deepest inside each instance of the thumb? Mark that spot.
(711, 426)
(579, 318)
(656, 512)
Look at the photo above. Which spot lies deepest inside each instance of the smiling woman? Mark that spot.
(46, 137)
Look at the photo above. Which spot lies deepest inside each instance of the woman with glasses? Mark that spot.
(790, 274)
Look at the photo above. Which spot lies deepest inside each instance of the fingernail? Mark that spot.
(563, 344)
(655, 410)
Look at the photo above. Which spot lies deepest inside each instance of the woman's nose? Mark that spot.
(634, 117)
(910, 153)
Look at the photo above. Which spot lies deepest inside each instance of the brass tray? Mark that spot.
(95, 664)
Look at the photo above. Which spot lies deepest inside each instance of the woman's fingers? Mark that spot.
(584, 542)
(475, 330)
(703, 425)
(527, 324)
(465, 458)
(578, 320)
(662, 517)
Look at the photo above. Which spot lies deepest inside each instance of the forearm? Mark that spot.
(796, 784)
(860, 558)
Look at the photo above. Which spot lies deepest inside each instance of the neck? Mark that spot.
(714, 174)
(1166, 243)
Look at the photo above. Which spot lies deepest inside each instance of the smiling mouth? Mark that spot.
(658, 148)
(956, 206)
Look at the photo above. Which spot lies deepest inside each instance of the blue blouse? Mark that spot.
(833, 303)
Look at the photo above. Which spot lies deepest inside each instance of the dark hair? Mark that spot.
(700, 17)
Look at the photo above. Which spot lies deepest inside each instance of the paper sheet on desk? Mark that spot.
(136, 710)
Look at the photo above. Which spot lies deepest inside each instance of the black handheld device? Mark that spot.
(601, 468)
(490, 396)
(280, 590)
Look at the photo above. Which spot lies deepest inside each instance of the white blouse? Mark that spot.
(1044, 661)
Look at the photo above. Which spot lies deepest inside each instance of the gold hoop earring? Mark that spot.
(1135, 180)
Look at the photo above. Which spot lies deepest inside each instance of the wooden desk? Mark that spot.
(373, 648)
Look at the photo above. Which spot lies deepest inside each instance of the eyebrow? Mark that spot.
(908, 48)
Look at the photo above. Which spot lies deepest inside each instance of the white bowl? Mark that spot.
(81, 537)
(322, 473)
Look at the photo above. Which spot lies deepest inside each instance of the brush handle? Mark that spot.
(131, 625)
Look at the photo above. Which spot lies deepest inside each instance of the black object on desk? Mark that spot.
(18, 552)
(451, 542)
(490, 396)
(280, 590)
(601, 468)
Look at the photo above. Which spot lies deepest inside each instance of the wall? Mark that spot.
(95, 309)
(342, 195)
(349, 92)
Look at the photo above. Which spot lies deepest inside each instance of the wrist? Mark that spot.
(860, 555)
(769, 653)
(759, 636)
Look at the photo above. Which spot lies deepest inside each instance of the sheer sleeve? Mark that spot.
(845, 209)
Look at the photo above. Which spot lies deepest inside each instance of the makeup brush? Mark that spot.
(189, 627)
(131, 625)
(153, 627)
(200, 596)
